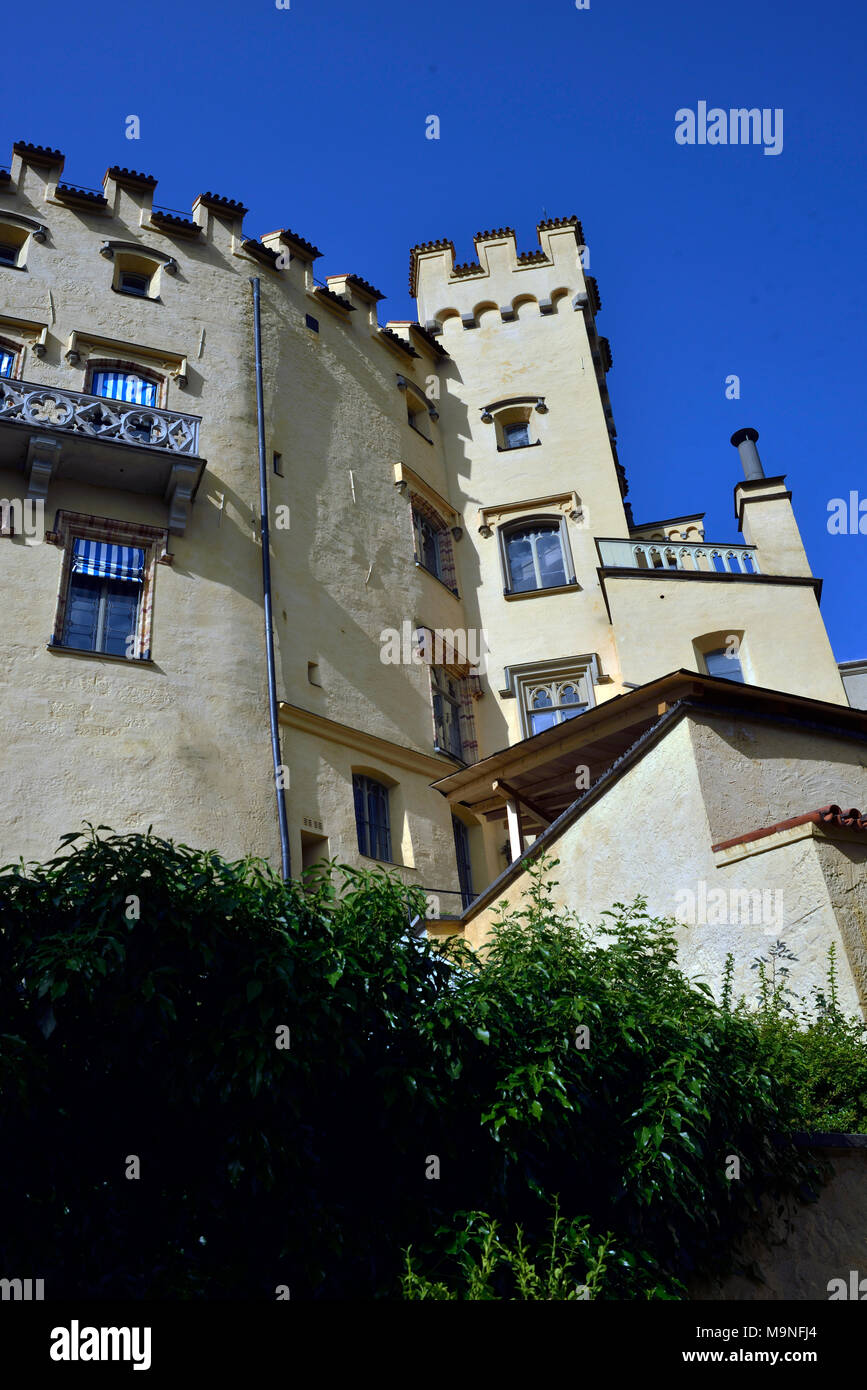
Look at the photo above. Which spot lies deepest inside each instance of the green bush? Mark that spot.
(144, 986)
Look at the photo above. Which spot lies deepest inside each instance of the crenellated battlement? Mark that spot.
(500, 280)
(501, 277)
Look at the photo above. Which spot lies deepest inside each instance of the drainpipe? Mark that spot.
(745, 443)
(264, 532)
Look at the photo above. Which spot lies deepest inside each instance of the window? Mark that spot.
(130, 282)
(120, 384)
(12, 242)
(123, 386)
(462, 854)
(550, 692)
(417, 415)
(724, 663)
(278, 465)
(427, 542)
(553, 703)
(102, 603)
(517, 435)
(371, 817)
(536, 557)
(312, 323)
(446, 691)
(7, 361)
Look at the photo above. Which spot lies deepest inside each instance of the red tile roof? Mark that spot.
(826, 815)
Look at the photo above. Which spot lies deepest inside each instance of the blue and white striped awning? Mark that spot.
(106, 561)
(6, 360)
(123, 386)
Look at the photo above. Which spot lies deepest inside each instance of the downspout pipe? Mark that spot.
(264, 532)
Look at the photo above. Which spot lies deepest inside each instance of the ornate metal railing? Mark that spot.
(96, 417)
(675, 555)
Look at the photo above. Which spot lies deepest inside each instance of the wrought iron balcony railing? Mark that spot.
(96, 417)
(673, 555)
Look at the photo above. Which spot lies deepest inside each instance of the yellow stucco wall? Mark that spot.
(184, 743)
(652, 831)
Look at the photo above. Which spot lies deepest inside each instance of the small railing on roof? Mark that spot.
(706, 558)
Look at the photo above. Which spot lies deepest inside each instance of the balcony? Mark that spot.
(52, 432)
(735, 560)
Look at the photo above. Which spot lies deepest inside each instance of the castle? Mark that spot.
(473, 646)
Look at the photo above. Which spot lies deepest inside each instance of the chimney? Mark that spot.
(745, 443)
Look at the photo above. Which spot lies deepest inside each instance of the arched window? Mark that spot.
(372, 817)
(536, 556)
(554, 703)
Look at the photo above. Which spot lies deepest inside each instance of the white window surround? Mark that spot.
(521, 681)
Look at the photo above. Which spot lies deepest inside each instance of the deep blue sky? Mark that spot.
(711, 260)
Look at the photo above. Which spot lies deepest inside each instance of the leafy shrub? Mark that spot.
(143, 987)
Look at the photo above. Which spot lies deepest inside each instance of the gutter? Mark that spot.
(264, 531)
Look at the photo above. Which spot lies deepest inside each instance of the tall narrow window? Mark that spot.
(462, 854)
(724, 664)
(446, 691)
(427, 543)
(536, 557)
(7, 361)
(372, 817)
(102, 603)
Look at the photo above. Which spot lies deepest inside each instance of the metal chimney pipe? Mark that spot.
(745, 442)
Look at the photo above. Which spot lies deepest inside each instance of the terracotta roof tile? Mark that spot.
(121, 175)
(41, 154)
(826, 815)
(221, 204)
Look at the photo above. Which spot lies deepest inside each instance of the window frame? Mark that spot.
(521, 681)
(363, 784)
(12, 350)
(439, 678)
(463, 860)
(538, 522)
(509, 426)
(733, 661)
(18, 243)
(153, 540)
(104, 589)
(123, 366)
